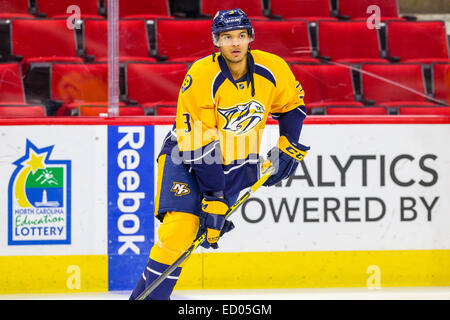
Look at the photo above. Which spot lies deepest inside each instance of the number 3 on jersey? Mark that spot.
(187, 121)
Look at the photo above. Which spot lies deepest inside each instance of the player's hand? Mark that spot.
(215, 209)
(228, 226)
(286, 157)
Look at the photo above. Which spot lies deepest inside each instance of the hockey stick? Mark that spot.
(267, 170)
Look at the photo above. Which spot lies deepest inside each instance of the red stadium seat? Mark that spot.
(288, 39)
(151, 85)
(306, 9)
(420, 42)
(147, 9)
(77, 84)
(183, 40)
(21, 111)
(43, 40)
(14, 9)
(325, 85)
(441, 82)
(356, 111)
(12, 97)
(11, 86)
(425, 110)
(133, 40)
(394, 85)
(252, 8)
(348, 42)
(87, 8)
(166, 110)
(358, 9)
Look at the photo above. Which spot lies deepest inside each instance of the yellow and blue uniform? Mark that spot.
(214, 146)
(219, 119)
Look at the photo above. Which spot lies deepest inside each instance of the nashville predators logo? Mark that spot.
(180, 189)
(186, 83)
(242, 118)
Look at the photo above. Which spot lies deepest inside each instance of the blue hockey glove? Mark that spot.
(286, 157)
(215, 209)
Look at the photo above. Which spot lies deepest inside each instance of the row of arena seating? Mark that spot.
(256, 9)
(170, 40)
(152, 88)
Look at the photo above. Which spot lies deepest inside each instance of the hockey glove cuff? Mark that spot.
(295, 150)
(285, 156)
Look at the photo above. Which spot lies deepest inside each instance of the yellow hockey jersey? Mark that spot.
(220, 119)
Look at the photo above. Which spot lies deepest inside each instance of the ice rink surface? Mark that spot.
(400, 293)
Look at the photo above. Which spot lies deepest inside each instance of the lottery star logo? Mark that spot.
(39, 199)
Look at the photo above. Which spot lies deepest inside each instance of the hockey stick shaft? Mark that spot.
(267, 172)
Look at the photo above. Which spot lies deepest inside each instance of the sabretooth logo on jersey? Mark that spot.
(242, 118)
(39, 199)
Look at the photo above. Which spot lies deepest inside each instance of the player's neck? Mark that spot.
(237, 69)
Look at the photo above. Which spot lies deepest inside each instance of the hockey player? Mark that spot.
(211, 154)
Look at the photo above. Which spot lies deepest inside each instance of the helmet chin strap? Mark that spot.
(250, 70)
(214, 53)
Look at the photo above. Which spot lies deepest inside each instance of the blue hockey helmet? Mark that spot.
(227, 20)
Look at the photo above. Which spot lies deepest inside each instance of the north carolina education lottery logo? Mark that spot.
(39, 199)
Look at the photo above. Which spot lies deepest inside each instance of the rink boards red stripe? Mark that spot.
(168, 120)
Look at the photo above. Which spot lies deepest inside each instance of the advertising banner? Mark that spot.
(361, 187)
(53, 231)
(130, 203)
(53, 189)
